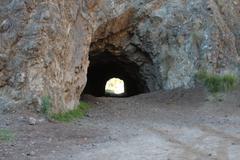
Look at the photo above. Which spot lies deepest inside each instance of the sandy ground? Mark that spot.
(178, 125)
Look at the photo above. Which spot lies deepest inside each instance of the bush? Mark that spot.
(217, 83)
(69, 116)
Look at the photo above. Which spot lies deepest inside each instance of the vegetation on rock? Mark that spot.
(218, 83)
(46, 104)
(69, 116)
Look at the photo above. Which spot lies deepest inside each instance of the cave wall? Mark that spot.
(44, 45)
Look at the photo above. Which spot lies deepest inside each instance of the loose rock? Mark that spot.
(32, 121)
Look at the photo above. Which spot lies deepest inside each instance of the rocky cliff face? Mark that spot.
(45, 45)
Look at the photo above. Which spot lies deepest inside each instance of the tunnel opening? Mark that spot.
(115, 87)
(104, 66)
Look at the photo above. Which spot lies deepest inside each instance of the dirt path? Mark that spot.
(178, 125)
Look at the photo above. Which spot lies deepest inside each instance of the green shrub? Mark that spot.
(217, 83)
(46, 104)
(6, 135)
(78, 112)
(69, 116)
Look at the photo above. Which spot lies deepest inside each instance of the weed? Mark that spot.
(46, 104)
(6, 135)
(69, 116)
(217, 83)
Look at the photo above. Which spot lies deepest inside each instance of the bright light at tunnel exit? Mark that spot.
(115, 86)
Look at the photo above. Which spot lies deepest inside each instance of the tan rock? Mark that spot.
(47, 45)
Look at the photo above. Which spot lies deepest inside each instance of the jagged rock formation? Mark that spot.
(152, 44)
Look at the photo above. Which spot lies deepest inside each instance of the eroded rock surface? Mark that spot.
(44, 45)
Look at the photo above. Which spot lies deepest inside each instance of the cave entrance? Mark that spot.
(115, 87)
(104, 66)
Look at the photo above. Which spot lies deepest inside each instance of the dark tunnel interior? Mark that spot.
(105, 66)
